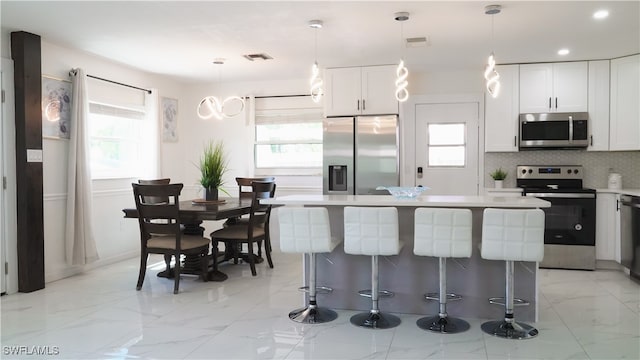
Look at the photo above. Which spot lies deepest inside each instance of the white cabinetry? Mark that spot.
(599, 105)
(501, 113)
(607, 247)
(366, 90)
(555, 87)
(624, 131)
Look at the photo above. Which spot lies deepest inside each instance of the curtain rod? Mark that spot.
(73, 72)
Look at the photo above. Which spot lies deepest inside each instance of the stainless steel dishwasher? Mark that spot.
(630, 234)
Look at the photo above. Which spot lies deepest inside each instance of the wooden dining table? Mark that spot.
(192, 214)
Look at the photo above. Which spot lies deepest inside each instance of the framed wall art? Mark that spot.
(56, 108)
(169, 120)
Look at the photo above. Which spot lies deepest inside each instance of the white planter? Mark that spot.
(498, 184)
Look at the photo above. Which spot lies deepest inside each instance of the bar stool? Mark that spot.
(307, 230)
(443, 233)
(512, 235)
(372, 231)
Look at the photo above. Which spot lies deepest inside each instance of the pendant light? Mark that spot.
(315, 82)
(402, 94)
(212, 107)
(490, 74)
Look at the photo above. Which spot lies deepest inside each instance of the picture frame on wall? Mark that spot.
(169, 120)
(56, 108)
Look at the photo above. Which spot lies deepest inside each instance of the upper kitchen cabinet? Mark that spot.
(624, 130)
(501, 113)
(366, 90)
(555, 87)
(598, 105)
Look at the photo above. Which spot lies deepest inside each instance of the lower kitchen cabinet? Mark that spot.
(607, 227)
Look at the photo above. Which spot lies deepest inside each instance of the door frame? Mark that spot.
(9, 211)
(408, 130)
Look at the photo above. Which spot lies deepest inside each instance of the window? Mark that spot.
(288, 136)
(447, 145)
(116, 136)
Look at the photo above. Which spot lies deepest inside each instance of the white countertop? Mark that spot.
(421, 201)
(633, 192)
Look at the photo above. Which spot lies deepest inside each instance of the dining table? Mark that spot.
(192, 214)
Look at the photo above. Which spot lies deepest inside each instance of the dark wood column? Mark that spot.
(25, 52)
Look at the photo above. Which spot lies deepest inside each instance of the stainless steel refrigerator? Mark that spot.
(359, 154)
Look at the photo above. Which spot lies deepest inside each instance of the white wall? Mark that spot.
(117, 238)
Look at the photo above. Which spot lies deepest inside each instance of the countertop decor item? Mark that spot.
(401, 192)
(498, 176)
(213, 166)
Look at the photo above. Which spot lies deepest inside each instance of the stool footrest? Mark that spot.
(319, 289)
(381, 293)
(436, 297)
(502, 301)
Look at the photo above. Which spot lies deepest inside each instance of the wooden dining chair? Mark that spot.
(245, 191)
(254, 230)
(160, 231)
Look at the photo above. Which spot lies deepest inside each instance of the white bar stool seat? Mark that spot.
(512, 235)
(372, 231)
(307, 230)
(442, 233)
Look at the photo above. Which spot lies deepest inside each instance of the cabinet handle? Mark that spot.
(358, 105)
(591, 137)
(515, 141)
(556, 103)
(364, 105)
(549, 103)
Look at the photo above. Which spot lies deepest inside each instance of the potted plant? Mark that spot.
(213, 166)
(498, 176)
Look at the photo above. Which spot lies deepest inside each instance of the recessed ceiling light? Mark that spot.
(563, 52)
(600, 14)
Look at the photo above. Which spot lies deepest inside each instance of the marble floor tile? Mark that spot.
(99, 315)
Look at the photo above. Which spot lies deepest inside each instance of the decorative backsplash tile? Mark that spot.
(596, 165)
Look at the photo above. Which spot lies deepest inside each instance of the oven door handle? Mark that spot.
(560, 195)
(630, 204)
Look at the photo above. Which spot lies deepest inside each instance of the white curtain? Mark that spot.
(79, 239)
(151, 140)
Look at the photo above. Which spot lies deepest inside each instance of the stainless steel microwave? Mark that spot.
(554, 130)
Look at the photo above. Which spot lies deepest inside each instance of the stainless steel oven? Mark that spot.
(570, 231)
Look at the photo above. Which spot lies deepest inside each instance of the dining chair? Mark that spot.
(245, 191)
(160, 231)
(255, 230)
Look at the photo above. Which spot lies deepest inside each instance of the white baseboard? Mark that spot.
(74, 270)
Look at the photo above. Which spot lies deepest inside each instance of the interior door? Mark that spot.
(447, 148)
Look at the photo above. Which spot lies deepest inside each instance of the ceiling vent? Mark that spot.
(261, 56)
(418, 42)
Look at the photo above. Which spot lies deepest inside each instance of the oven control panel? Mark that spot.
(549, 172)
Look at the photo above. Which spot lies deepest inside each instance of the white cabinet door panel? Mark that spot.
(343, 92)
(598, 105)
(501, 113)
(378, 90)
(536, 88)
(625, 104)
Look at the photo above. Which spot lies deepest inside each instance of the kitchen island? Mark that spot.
(409, 276)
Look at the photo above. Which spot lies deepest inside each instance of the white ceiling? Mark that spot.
(181, 38)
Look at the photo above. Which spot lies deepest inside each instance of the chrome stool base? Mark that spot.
(446, 325)
(373, 320)
(315, 315)
(513, 330)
